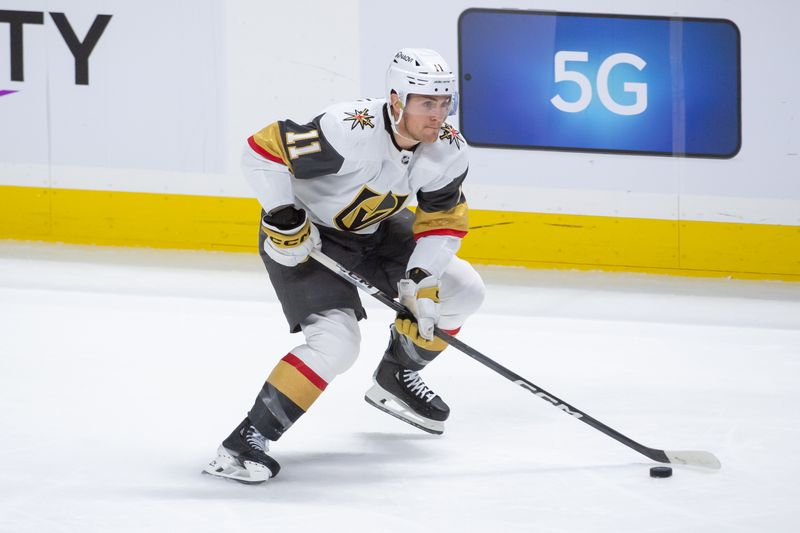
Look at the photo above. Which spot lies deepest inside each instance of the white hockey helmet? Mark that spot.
(420, 71)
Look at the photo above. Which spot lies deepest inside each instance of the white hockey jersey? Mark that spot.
(345, 169)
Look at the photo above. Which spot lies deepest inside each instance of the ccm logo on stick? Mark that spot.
(544, 396)
(81, 48)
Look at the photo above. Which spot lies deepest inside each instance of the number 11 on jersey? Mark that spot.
(297, 151)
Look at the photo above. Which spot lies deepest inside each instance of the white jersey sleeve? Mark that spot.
(442, 214)
(442, 207)
(270, 181)
(286, 149)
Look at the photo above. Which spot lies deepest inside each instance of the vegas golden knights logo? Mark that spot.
(368, 207)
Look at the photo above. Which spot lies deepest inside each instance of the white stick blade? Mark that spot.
(693, 458)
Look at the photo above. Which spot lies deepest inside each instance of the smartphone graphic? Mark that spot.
(600, 83)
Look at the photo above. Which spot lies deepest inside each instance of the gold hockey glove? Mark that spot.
(419, 293)
(289, 236)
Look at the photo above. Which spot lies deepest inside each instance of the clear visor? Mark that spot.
(428, 105)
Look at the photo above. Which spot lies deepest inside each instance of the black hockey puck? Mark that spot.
(660, 471)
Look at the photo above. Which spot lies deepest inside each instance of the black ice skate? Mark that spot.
(402, 393)
(242, 457)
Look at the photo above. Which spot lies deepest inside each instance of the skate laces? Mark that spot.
(417, 386)
(255, 439)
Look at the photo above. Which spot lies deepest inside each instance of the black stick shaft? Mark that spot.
(358, 281)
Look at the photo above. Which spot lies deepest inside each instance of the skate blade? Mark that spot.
(231, 478)
(228, 467)
(388, 403)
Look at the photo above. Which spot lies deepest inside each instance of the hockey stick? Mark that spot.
(684, 457)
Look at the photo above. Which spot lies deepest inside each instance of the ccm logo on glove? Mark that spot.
(288, 241)
(289, 236)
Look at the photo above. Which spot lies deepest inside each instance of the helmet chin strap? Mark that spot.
(395, 123)
(396, 132)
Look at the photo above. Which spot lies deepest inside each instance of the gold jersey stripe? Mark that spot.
(294, 385)
(455, 220)
(270, 139)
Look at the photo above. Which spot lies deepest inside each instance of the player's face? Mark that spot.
(423, 116)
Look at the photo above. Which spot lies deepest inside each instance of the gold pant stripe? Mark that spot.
(294, 385)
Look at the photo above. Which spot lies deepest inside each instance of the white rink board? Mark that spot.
(174, 92)
(121, 370)
(153, 101)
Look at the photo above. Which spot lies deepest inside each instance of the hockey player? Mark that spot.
(341, 183)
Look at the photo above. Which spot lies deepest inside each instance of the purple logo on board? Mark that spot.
(3, 93)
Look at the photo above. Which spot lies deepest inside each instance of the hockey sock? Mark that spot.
(288, 393)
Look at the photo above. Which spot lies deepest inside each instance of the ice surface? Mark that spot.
(121, 371)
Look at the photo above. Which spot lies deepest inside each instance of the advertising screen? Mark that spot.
(600, 83)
